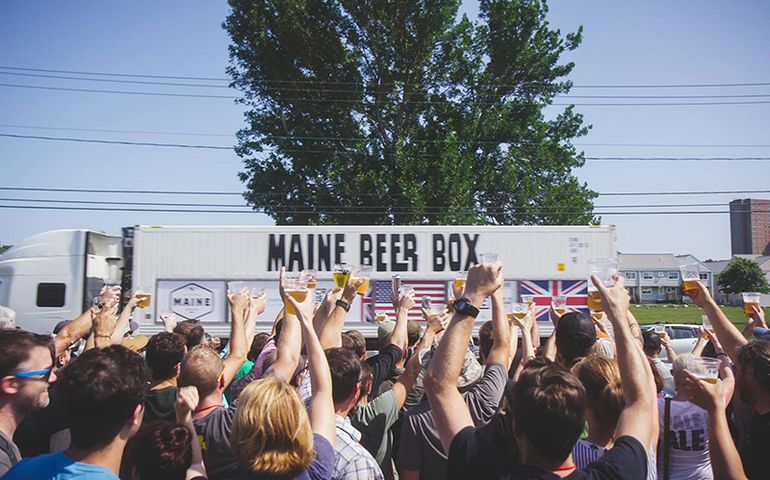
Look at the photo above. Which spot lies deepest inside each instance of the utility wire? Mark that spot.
(334, 82)
(413, 102)
(217, 193)
(230, 135)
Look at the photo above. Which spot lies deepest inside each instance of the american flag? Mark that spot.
(576, 292)
(378, 299)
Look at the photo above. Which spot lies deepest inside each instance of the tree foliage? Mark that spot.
(370, 112)
(743, 275)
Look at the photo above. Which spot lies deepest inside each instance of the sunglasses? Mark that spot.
(34, 373)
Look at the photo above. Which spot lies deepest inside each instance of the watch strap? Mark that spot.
(343, 304)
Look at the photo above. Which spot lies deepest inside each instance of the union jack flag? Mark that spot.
(576, 292)
(378, 299)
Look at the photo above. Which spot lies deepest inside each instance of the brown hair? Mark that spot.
(485, 338)
(604, 393)
(201, 368)
(16, 346)
(548, 408)
(162, 449)
(271, 432)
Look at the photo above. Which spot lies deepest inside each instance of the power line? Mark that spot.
(413, 102)
(334, 82)
(217, 193)
(115, 142)
(112, 80)
(124, 209)
(230, 135)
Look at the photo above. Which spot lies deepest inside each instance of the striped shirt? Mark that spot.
(352, 461)
(585, 452)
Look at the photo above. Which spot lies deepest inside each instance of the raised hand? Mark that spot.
(483, 280)
(186, 402)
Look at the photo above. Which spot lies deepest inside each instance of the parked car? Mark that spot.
(683, 337)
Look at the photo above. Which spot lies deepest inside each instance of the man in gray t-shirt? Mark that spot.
(420, 449)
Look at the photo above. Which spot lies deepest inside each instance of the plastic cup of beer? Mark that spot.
(750, 299)
(519, 310)
(460, 280)
(488, 257)
(705, 368)
(235, 286)
(363, 273)
(690, 278)
(559, 304)
(659, 329)
(529, 299)
(605, 269)
(143, 296)
(310, 275)
(296, 288)
(707, 323)
(597, 316)
(341, 273)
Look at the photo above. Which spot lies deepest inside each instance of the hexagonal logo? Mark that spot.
(192, 301)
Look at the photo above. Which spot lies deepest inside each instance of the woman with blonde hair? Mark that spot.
(604, 401)
(273, 435)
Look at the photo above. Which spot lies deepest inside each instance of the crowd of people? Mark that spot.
(307, 401)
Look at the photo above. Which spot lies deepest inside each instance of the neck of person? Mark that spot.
(208, 404)
(107, 456)
(10, 418)
(161, 384)
(343, 409)
(532, 459)
(597, 433)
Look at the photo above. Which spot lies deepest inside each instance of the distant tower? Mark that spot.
(750, 227)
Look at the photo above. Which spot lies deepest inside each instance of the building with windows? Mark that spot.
(656, 277)
(750, 227)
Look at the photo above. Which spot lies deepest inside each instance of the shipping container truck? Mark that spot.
(186, 269)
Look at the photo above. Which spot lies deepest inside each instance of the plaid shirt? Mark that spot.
(352, 461)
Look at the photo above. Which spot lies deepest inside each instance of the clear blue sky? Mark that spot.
(654, 42)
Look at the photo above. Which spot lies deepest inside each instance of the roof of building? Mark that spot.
(649, 261)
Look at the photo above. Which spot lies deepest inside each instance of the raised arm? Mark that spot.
(725, 461)
(398, 336)
(501, 333)
(186, 403)
(123, 320)
(728, 334)
(104, 325)
(639, 417)
(527, 345)
(239, 310)
(449, 409)
(330, 334)
(322, 418)
(670, 353)
(289, 343)
(81, 326)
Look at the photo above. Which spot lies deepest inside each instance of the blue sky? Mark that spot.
(625, 43)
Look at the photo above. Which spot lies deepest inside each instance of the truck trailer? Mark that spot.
(186, 269)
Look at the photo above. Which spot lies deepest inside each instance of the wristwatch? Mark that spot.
(465, 307)
(343, 304)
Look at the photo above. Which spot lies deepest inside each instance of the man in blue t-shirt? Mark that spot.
(104, 391)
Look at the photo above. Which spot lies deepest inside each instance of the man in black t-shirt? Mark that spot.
(548, 402)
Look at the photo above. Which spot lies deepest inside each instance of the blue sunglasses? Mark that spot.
(33, 373)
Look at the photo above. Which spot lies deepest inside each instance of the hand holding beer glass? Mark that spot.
(341, 274)
(605, 269)
(362, 274)
(559, 303)
(750, 300)
(295, 286)
(690, 279)
(143, 296)
(459, 284)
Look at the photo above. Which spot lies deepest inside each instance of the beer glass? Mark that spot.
(707, 324)
(519, 310)
(143, 296)
(750, 299)
(605, 269)
(530, 299)
(310, 275)
(488, 257)
(690, 278)
(460, 280)
(559, 304)
(364, 272)
(508, 309)
(234, 287)
(704, 368)
(295, 287)
(659, 329)
(341, 273)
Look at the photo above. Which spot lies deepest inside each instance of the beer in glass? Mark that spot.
(750, 299)
(605, 269)
(690, 278)
(144, 298)
(460, 280)
(559, 304)
(341, 274)
(364, 272)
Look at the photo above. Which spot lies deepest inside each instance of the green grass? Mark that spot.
(673, 313)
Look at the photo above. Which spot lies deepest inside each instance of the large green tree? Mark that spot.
(743, 275)
(393, 112)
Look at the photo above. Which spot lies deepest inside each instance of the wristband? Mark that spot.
(343, 304)
(721, 354)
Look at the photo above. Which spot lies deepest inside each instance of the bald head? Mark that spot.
(201, 368)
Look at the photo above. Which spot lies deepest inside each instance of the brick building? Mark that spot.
(750, 227)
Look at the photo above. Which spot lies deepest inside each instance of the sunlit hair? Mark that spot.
(604, 393)
(201, 368)
(271, 431)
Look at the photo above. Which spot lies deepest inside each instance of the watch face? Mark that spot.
(461, 304)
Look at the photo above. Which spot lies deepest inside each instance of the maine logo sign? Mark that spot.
(192, 301)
